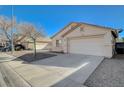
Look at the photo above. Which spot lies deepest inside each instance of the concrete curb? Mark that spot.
(2, 82)
(11, 78)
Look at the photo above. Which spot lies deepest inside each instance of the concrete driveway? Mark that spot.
(66, 60)
(63, 70)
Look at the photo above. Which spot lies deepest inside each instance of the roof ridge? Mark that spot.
(85, 24)
(98, 25)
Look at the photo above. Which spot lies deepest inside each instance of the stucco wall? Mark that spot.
(59, 37)
(38, 45)
(86, 31)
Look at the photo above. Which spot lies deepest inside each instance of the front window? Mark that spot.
(58, 43)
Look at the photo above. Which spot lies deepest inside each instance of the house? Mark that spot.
(84, 38)
(3, 40)
(41, 43)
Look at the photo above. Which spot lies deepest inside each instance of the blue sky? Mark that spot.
(54, 18)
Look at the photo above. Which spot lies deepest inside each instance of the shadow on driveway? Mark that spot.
(30, 57)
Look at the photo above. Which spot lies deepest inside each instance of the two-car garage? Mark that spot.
(87, 45)
(86, 39)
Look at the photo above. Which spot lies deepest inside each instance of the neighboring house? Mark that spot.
(83, 38)
(41, 43)
(3, 40)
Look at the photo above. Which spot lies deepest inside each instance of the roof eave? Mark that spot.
(61, 30)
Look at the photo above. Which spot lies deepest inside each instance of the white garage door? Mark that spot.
(41, 45)
(88, 46)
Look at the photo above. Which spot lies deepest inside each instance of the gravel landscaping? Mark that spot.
(110, 73)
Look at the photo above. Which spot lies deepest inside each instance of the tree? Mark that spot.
(6, 25)
(123, 39)
(20, 31)
(31, 32)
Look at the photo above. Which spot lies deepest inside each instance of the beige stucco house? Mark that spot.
(41, 43)
(83, 38)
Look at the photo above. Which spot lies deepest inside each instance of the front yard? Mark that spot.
(28, 56)
(59, 68)
(110, 73)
